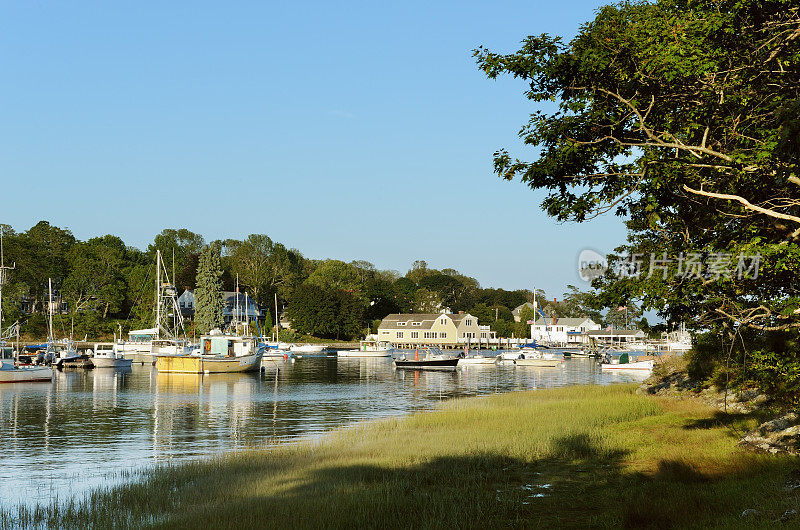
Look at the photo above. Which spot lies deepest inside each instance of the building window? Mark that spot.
(429, 335)
(443, 335)
(399, 334)
(415, 334)
(416, 323)
(383, 332)
(468, 322)
(444, 321)
(483, 335)
(401, 323)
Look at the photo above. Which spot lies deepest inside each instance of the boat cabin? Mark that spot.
(226, 345)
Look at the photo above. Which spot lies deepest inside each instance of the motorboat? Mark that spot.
(478, 359)
(433, 359)
(12, 372)
(218, 353)
(531, 357)
(368, 348)
(307, 349)
(636, 365)
(105, 356)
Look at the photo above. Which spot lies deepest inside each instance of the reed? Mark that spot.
(576, 456)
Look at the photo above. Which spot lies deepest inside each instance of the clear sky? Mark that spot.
(346, 130)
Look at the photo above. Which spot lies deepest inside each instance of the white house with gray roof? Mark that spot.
(563, 331)
(443, 330)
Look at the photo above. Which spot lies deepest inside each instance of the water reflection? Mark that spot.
(66, 437)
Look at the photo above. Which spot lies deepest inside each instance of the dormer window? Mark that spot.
(401, 323)
(416, 323)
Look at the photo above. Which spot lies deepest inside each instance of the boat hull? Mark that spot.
(639, 365)
(360, 353)
(26, 374)
(108, 362)
(542, 363)
(477, 360)
(199, 364)
(435, 364)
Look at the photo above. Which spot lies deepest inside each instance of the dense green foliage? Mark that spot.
(106, 287)
(680, 116)
(209, 305)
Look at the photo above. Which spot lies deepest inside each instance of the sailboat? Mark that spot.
(59, 352)
(10, 369)
(143, 345)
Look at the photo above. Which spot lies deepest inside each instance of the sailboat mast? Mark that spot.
(2, 279)
(50, 306)
(158, 293)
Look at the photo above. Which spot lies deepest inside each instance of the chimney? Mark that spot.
(460, 312)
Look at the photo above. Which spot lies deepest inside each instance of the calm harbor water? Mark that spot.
(65, 438)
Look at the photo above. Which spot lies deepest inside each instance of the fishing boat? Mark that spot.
(433, 359)
(368, 348)
(106, 356)
(218, 353)
(467, 360)
(167, 336)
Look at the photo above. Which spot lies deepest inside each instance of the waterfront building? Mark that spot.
(563, 331)
(444, 330)
(616, 336)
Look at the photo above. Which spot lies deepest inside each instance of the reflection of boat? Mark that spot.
(368, 348)
(105, 356)
(307, 348)
(218, 354)
(433, 359)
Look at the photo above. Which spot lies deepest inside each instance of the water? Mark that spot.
(65, 438)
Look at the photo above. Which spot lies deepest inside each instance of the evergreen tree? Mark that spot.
(208, 296)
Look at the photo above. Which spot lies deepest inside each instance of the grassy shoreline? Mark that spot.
(575, 456)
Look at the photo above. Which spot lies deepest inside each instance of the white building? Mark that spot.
(562, 331)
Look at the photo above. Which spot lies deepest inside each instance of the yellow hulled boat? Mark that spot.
(217, 354)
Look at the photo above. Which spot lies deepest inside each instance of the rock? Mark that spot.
(750, 512)
(779, 424)
(761, 399)
(788, 515)
(746, 395)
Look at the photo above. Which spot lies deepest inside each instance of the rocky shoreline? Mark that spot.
(778, 435)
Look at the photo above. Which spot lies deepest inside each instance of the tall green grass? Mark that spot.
(569, 457)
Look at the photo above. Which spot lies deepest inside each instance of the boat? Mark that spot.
(307, 348)
(636, 365)
(433, 359)
(467, 360)
(10, 369)
(218, 353)
(530, 357)
(144, 345)
(105, 356)
(368, 348)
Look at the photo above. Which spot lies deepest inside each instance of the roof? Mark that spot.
(516, 311)
(562, 321)
(426, 320)
(616, 332)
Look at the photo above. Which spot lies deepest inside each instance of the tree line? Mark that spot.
(106, 286)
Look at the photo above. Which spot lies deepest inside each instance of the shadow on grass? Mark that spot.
(581, 484)
(737, 420)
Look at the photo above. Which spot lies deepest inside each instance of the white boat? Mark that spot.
(531, 357)
(307, 348)
(106, 356)
(218, 353)
(637, 365)
(478, 359)
(368, 348)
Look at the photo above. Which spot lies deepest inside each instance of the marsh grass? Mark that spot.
(568, 457)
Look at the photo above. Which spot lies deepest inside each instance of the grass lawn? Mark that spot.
(569, 457)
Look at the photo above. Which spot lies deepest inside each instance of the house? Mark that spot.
(564, 331)
(247, 308)
(444, 330)
(517, 310)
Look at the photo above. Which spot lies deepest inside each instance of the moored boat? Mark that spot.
(530, 357)
(368, 348)
(433, 359)
(106, 356)
(218, 354)
(307, 349)
(636, 365)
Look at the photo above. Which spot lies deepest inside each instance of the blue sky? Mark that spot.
(346, 130)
